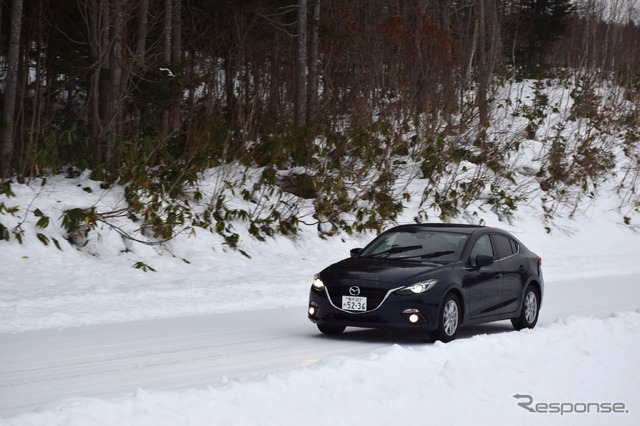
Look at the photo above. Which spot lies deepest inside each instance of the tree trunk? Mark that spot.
(166, 56)
(176, 60)
(448, 83)
(1, 9)
(139, 63)
(11, 84)
(34, 40)
(115, 75)
(420, 103)
(176, 32)
(93, 92)
(141, 36)
(301, 65)
(229, 82)
(312, 101)
(481, 96)
(166, 31)
(105, 105)
(488, 46)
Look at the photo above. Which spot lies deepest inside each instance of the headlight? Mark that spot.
(318, 285)
(417, 287)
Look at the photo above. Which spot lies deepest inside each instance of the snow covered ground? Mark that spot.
(581, 368)
(581, 360)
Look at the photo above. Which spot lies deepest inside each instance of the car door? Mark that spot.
(482, 287)
(512, 268)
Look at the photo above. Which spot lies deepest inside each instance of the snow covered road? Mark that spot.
(38, 368)
(166, 354)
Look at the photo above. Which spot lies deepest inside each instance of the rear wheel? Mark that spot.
(530, 309)
(449, 319)
(331, 329)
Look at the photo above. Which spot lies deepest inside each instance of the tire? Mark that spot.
(530, 309)
(331, 329)
(449, 319)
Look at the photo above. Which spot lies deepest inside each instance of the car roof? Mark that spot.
(462, 228)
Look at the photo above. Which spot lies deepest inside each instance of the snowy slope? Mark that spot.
(43, 287)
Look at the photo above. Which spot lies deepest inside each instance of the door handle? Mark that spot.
(523, 270)
(498, 275)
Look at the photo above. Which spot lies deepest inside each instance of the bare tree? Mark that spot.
(176, 59)
(312, 100)
(1, 8)
(97, 19)
(11, 84)
(143, 28)
(176, 32)
(166, 56)
(301, 65)
(34, 40)
(116, 84)
(448, 83)
(139, 60)
(488, 43)
(166, 31)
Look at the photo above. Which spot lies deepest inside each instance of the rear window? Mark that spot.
(505, 246)
(514, 245)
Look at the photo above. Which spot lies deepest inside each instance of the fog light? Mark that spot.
(414, 318)
(312, 310)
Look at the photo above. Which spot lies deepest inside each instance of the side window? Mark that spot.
(482, 246)
(503, 246)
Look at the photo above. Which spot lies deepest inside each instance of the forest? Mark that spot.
(315, 104)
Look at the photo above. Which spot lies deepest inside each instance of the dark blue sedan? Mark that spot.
(432, 278)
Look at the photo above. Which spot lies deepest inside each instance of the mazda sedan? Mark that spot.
(432, 278)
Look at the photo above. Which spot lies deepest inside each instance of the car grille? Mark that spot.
(374, 296)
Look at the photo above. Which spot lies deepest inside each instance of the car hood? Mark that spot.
(378, 272)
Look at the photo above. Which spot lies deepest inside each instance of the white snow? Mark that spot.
(573, 363)
(571, 360)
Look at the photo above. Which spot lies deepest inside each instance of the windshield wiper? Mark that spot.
(437, 254)
(394, 250)
(428, 255)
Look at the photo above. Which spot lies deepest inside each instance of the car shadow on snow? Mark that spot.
(408, 337)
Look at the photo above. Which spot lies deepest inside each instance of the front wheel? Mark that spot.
(530, 309)
(449, 319)
(331, 329)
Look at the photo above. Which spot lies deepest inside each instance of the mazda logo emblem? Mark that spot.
(354, 290)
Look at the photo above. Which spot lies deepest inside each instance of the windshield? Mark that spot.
(417, 245)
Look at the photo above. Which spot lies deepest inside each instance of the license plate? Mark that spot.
(352, 303)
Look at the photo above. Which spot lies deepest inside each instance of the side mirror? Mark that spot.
(355, 252)
(483, 260)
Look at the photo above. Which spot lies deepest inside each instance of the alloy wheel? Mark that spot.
(530, 307)
(450, 318)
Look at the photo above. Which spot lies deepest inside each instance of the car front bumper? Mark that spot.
(418, 312)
